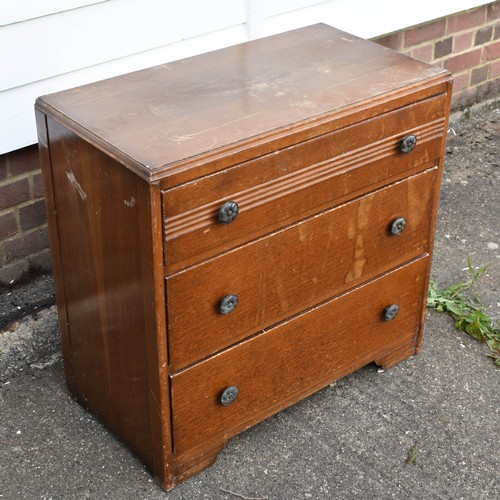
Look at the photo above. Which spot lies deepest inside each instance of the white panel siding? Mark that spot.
(17, 127)
(79, 46)
(364, 18)
(51, 45)
(75, 39)
(276, 7)
(16, 11)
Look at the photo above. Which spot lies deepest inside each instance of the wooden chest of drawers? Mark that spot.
(234, 231)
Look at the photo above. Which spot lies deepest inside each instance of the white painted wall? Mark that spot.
(51, 45)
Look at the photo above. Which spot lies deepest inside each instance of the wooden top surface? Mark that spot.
(163, 115)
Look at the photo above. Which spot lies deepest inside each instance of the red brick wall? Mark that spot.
(467, 44)
(23, 228)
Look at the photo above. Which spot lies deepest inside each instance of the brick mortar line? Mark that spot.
(26, 261)
(23, 204)
(448, 20)
(25, 231)
(432, 41)
(469, 70)
(19, 177)
(30, 177)
(20, 231)
(31, 255)
(484, 8)
(27, 258)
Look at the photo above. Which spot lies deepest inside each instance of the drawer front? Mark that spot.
(294, 359)
(288, 271)
(288, 185)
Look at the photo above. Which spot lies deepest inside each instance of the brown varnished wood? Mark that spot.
(234, 154)
(212, 102)
(212, 238)
(186, 468)
(238, 153)
(266, 189)
(433, 218)
(377, 136)
(296, 268)
(50, 206)
(399, 354)
(282, 365)
(154, 335)
(105, 239)
(302, 130)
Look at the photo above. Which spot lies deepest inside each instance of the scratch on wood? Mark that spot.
(130, 203)
(155, 400)
(182, 138)
(76, 185)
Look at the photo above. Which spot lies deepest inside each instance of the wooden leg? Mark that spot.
(185, 470)
(394, 357)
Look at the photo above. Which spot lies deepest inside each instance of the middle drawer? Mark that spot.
(295, 268)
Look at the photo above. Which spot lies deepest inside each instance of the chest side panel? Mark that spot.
(106, 248)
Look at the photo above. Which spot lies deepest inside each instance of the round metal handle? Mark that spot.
(398, 226)
(228, 304)
(228, 212)
(391, 312)
(408, 144)
(229, 395)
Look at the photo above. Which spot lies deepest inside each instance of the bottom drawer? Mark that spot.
(285, 363)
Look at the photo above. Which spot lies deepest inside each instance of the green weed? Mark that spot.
(411, 459)
(462, 302)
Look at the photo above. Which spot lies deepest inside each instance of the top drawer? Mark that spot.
(292, 183)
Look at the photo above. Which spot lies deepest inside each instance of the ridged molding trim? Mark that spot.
(268, 192)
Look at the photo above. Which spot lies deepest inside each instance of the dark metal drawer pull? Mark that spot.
(391, 312)
(408, 144)
(228, 304)
(398, 226)
(228, 212)
(229, 395)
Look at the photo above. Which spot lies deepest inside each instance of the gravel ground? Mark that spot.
(469, 222)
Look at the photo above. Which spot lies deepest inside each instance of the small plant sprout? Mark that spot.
(463, 303)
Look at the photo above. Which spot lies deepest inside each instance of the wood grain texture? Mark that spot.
(184, 469)
(154, 335)
(294, 359)
(236, 94)
(105, 239)
(372, 138)
(286, 272)
(399, 354)
(302, 130)
(57, 271)
(268, 189)
(437, 190)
